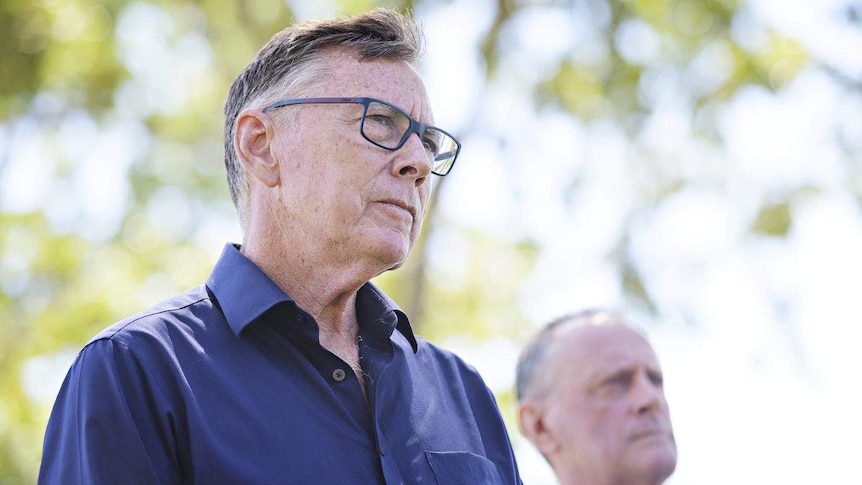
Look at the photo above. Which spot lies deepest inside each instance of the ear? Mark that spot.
(531, 422)
(253, 138)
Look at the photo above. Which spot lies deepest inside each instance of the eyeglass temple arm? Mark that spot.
(444, 156)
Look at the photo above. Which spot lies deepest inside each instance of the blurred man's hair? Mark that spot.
(535, 353)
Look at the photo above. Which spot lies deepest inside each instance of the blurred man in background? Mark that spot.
(591, 400)
(288, 366)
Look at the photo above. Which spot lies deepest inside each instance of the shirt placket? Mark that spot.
(375, 365)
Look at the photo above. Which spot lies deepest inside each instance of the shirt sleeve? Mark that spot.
(110, 424)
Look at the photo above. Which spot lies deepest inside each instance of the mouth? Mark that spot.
(651, 433)
(401, 205)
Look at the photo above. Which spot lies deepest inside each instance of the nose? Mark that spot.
(412, 160)
(646, 395)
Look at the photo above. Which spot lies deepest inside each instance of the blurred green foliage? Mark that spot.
(68, 63)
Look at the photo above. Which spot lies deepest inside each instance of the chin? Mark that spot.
(662, 464)
(395, 266)
(393, 252)
(393, 258)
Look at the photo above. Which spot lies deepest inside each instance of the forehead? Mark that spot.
(596, 349)
(396, 82)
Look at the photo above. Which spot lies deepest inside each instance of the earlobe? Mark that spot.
(253, 141)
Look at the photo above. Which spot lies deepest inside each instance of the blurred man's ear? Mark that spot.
(253, 141)
(531, 422)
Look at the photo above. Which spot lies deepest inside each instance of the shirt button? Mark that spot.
(339, 374)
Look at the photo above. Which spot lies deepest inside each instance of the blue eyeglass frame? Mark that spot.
(415, 126)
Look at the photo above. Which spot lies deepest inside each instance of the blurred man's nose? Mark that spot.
(646, 395)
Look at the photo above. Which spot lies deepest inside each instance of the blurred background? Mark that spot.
(695, 163)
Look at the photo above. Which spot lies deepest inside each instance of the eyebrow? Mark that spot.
(599, 377)
(627, 372)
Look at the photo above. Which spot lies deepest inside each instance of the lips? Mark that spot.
(650, 432)
(401, 204)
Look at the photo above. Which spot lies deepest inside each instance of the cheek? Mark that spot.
(568, 417)
(596, 422)
(422, 211)
(424, 198)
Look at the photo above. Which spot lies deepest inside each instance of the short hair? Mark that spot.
(286, 64)
(534, 355)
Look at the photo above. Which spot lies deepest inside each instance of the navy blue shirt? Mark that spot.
(227, 383)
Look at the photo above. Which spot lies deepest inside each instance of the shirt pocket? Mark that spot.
(462, 467)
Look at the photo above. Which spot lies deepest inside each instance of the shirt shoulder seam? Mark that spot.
(111, 332)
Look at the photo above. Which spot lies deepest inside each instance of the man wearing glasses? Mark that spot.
(288, 366)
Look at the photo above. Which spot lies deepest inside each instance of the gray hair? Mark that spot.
(535, 354)
(286, 63)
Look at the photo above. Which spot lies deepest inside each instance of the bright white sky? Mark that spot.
(758, 345)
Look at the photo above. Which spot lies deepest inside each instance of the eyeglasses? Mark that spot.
(388, 127)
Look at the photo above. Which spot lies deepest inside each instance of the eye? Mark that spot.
(619, 380)
(430, 145)
(380, 118)
(656, 379)
(616, 385)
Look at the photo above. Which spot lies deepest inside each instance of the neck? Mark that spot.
(325, 292)
(578, 478)
(328, 294)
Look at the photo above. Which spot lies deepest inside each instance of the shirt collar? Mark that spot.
(242, 290)
(244, 293)
(380, 315)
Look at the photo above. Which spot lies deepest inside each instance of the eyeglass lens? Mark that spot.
(387, 126)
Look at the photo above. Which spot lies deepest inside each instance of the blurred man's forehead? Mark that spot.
(596, 348)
